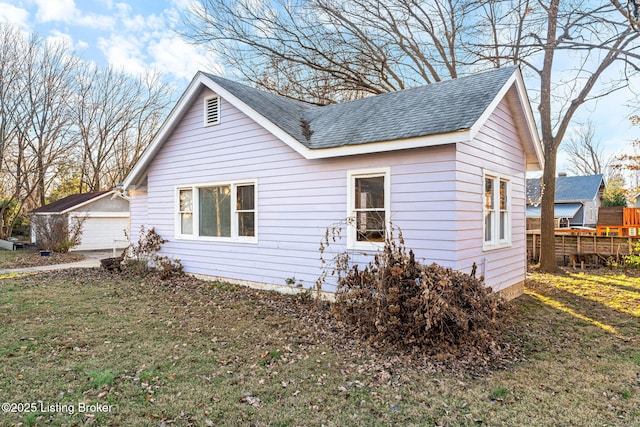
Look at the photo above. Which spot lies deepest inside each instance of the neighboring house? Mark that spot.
(244, 183)
(105, 216)
(577, 201)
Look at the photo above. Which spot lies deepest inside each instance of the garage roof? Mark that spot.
(69, 202)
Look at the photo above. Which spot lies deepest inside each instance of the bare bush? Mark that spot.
(140, 257)
(58, 233)
(395, 301)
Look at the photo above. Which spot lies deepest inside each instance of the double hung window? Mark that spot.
(225, 211)
(368, 208)
(497, 211)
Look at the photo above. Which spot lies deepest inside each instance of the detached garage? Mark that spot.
(105, 216)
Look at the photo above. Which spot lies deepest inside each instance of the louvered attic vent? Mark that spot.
(211, 110)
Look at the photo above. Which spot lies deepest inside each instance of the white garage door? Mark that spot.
(100, 232)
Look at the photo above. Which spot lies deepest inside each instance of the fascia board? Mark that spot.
(533, 139)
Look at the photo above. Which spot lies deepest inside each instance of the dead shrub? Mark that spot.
(58, 233)
(168, 267)
(395, 301)
(141, 256)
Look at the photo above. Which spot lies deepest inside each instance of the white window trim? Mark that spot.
(196, 212)
(352, 241)
(496, 242)
(205, 112)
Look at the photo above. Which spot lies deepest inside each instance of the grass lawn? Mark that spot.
(7, 257)
(31, 258)
(193, 353)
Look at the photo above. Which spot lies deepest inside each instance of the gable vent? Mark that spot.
(211, 110)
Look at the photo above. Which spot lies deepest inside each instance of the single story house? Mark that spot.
(577, 201)
(105, 216)
(245, 183)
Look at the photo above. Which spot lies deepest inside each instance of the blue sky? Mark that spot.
(130, 35)
(137, 35)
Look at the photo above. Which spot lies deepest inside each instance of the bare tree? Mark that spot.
(15, 167)
(586, 154)
(112, 118)
(630, 11)
(10, 69)
(151, 107)
(46, 85)
(9, 73)
(323, 51)
(590, 36)
(59, 120)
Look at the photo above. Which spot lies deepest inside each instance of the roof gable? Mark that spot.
(441, 113)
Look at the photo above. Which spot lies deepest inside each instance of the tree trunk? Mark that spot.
(547, 227)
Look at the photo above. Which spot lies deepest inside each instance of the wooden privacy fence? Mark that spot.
(571, 249)
(618, 221)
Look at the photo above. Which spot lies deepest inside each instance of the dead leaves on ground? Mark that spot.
(297, 323)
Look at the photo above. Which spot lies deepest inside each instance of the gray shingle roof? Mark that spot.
(568, 188)
(68, 202)
(438, 108)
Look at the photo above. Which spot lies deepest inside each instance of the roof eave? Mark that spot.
(533, 145)
(79, 205)
(391, 145)
(200, 80)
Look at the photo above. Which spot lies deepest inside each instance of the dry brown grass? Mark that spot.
(29, 258)
(185, 352)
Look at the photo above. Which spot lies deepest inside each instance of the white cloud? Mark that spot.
(140, 23)
(58, 37)
(130, 42)
(66, 11)
(123, 8)
(55, 10)
(94, 21)
(14, 15)
(184, 4)
(123, 53)
(172, 55)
